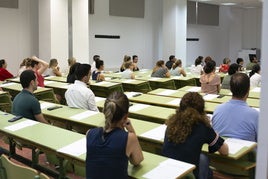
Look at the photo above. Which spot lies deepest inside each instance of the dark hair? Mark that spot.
(255, 69)
(176, 64)
(171, 57)
(99, 63)
(2, 62)
(208, 58)
(190, 113)
(159, 63)
(96, 57)
(233, 68)
(82, 70)
(238, 60)
(26, 77)
(33, 63)
(52, 62)
(251, 57)
(115, 107)
(71, 75)
(210, 66)
(134, 56)
(239, 85)
(198, 61)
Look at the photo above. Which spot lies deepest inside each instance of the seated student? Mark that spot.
(255, 77)
(97, 75)
(210, 81)
(78, 95)
(170, 62)
(225, 66)
(25, 103)
(4, 74)
(54, 69)
(235, 119)
(39, 67)
(240, 62)
(160, 70)
(187, 131)
(128, 73)
(93, 65)
(253, 61)
(125, 60)
(71, 75)
(135, 63)
(197, 69)
(226, 80)
(177, 69)
(110, 148)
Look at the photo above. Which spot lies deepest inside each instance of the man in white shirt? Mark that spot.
(78, 95)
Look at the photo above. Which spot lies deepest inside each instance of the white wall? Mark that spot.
(17, 34)
(138, 36)
(238, 29)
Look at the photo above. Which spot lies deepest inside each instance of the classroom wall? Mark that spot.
(239, 28)
(138, 36)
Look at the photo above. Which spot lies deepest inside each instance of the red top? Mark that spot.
(4, 74)
(224, 68)
(40, 79)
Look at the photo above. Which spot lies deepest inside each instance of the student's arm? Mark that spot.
(182, 72)
(167, 74)
(56, 71)
(132, 76)
(40, 118)
(44, 65)
(224, 149)
(133, 149)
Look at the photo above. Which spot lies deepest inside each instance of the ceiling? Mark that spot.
(239, 3)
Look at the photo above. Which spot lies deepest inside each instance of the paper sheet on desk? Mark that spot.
(21, 125)
(168, 169)
(102, 83)
(176, 77)
(154, 79)
(157, 133)
(137, 107)
(77, 148)
(256, 89)
(194, 89)
(237, 144)
(83, 115)
(210, 96)
(7, 84)
(48, 82)
(98, 99)
(167, 92)
(175, 102)
(129, 81)
(45, 105)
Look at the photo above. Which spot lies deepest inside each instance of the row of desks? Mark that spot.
(72, 146)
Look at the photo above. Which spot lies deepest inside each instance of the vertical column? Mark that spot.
(262, 149)
(80, 31)
(53, 30)
(174, 29)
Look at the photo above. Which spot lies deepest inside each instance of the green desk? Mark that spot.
(133, 85)
(168, 92)
(56, 78)
(158, 82)
(64, 147)
(253, 93)
(5, 101)
(165, 101)
(46, 94)
(145, 112)
(104, 88)
(181, 81)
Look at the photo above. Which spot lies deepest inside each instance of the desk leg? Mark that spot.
(12, 147)
(62, 170)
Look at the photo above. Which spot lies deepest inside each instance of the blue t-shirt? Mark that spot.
(236, 119)
(106, 154)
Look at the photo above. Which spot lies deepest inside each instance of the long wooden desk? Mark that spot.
(46, 94)
(253, 102)
(181, 81)
(158, 82)
(5, 101)
(253, 93)
(145, 112)
(64, 145)
(164, 101)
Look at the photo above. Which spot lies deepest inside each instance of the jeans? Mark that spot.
(204, 171)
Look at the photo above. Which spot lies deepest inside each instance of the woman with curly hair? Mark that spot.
(187, 131)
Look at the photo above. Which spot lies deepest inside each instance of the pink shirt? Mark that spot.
(40, 79)
(208, 84)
